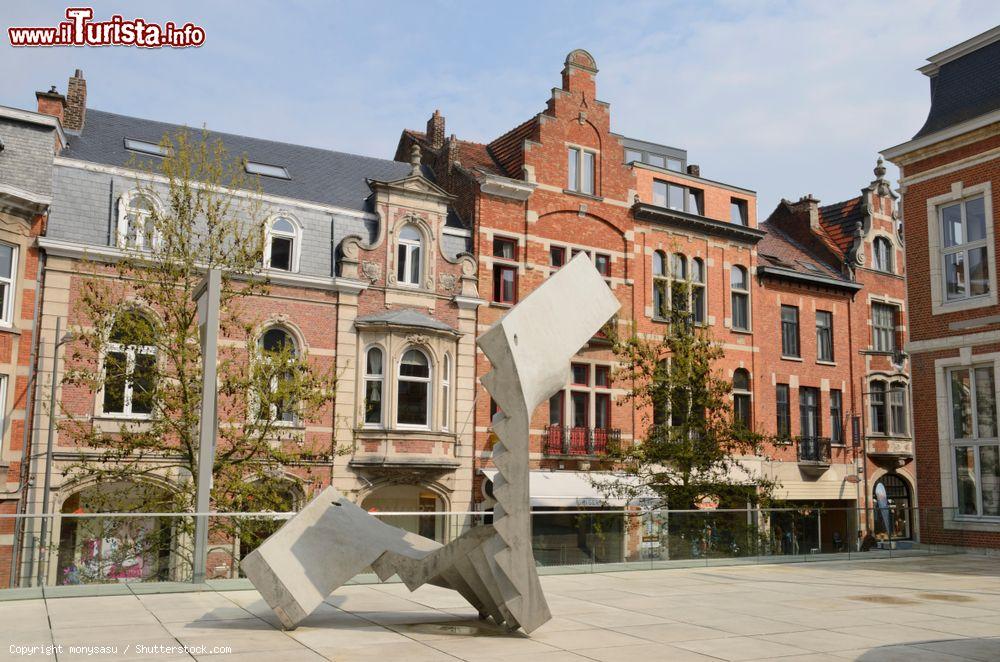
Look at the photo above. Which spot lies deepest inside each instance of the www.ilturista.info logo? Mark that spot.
(80, 30)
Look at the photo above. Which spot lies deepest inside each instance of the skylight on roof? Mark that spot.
(145, 147)
(278, 172)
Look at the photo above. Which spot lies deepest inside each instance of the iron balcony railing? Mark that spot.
(814, 449)
(559, 440)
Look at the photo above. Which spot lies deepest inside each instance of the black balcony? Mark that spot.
(813, 453)
(558, 440)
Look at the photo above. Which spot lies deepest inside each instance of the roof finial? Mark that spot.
(415, 159)
(879, 169)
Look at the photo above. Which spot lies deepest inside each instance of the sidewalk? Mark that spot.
(935, 608)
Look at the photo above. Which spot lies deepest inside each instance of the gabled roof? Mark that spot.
(317, 175)
(508, 149)
(782, 256)
(964, 82)
(472, 155)
(406, 317)
(839, 221)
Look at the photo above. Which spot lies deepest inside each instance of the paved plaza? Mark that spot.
(934, 608)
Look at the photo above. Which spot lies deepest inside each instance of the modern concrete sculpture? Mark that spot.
(492, 566)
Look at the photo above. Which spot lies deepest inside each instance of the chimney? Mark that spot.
(76, 102)
(694, 170)
(51, 103)
(435, 129)
(811, 205)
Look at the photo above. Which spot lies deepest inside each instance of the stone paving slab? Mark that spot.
(912, 609)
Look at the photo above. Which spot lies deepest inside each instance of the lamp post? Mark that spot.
(43, 538)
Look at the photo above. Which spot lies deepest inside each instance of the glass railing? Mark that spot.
(135, 551)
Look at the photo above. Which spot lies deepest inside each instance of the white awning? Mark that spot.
(567, 489)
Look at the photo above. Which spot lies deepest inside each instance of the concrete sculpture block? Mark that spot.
(491, 566)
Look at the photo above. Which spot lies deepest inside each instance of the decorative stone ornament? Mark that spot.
(492, 566)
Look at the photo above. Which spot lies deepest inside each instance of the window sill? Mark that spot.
(500, 304)
(791, 358)
(6, 327)
(580, 194)
(829, 363)
(745, 332)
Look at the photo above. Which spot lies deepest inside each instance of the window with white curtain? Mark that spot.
(374, 386)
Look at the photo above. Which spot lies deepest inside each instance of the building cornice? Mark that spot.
(111, 254)
(894, 153)
(160, 179)
(34, 118)
(959, 50)
(19, 199)
(505, 187)
(823, 281)
(683, 220)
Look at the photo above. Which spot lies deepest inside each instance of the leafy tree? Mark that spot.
(690, 452)
(137, 346)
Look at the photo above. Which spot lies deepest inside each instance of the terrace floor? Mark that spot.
(934, 608)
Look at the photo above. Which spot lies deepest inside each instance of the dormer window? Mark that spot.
(136, 225)
(267, 170)
(410, 256)
(738, 211)
(282, 244)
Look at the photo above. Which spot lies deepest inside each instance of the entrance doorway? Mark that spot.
(900, 507)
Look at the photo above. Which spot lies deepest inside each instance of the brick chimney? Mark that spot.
(808, 204)
(51, 103)
(694, 170)
(76, 102)
(435, 129)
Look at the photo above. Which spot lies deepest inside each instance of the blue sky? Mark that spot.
(785, 98)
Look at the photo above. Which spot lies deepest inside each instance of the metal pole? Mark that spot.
(43, 540)
(207, 295)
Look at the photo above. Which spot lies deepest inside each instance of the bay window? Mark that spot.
(413, 382)
(374, 386)
(888, 404)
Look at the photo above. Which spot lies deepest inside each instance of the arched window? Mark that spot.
(882, 255)
(374, 386)
(281, 247)
(277, 344)
(897, 494)
(410, 256)
(741, 397)
(698, 299)
(445, 392)
(413, 389)
(661, 285)
(130, 366)
(136, 222)
(739, 287)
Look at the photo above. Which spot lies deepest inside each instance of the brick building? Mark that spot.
(370, 276)
(27, 143)
(563, 182)
(949, 207)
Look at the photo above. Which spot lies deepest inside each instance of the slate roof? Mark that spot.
(964, 88)
(778, 249)
(839, 220)
(404, 317)
(317, 175)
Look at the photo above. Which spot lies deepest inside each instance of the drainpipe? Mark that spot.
(30, 414)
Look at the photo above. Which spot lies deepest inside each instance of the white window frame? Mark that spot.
(976, 442)
(4, 414)
(371, 377)
(125, 211)
(429, 380)
(411, 246)
(939, 303)
(896, 315)
(890, 427)
(576, 184)
(7, 311)
(446, 393)
(733, 292)
(130, 352)
(296, 237)
(297, 345)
